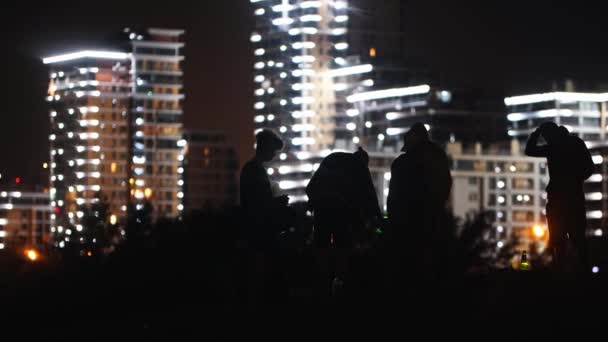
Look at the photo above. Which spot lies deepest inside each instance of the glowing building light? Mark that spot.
(311, 17)
(310, 4)
(259, 52)
(595, 214)
(341, 18)
(259, 105)
(303, 45)
(303, 127)
(388, 93)
(597, 159)
(341, 46)
(303, 59)
(354, 70)
(395, 131)
(393, 115)
(303, 141)
(352, 112)
(85, 54)
(340, 4)
(283, 21)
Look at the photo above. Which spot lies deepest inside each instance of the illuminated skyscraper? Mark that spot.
(116, 129)
(302, 77)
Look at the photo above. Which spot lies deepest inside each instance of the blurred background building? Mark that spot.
(211, 171)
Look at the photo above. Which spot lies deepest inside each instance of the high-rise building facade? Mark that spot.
(584, 114)
(116, 129)
(302, 77)
(211, 167)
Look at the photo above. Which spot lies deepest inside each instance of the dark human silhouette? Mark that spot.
(570, 164)
(418, 192)
(342, 196)
(265, 215)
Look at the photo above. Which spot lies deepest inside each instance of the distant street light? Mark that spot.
(31, 254)
(538, 231)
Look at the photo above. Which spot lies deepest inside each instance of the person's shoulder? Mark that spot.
(577, 140)
(251, 166)
(400, 160)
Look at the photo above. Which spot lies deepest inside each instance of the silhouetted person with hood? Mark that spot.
(418, 193)
(570, 164)
(265, 215)
(342, 196)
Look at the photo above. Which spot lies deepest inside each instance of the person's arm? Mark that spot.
(532, 148)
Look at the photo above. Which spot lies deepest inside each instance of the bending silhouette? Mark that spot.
(342, 196)
(570, 164)
(418, 192)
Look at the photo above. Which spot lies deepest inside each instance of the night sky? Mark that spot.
(513, 46)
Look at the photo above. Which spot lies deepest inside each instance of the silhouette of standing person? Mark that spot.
(342, 196)
(264, 217)
(418, 192)
(570, 164)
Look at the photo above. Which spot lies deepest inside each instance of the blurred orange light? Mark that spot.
(89, 253)
(538, 231)
(31, 254)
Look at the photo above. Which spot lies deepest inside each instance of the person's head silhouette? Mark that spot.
(268, 144)
(551, 132)
(362, 156)
(416, 135)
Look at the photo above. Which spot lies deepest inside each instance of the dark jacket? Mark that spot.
(420, 183)
(343, 180)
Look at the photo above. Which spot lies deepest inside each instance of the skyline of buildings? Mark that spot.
(117, 132)
(374, 100)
